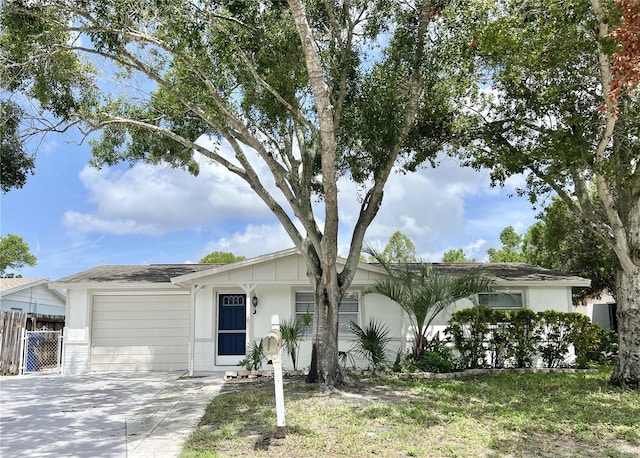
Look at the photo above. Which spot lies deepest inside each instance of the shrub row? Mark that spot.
(484, 337)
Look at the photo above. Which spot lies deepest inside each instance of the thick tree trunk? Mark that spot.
(325, 365)
(627, 370)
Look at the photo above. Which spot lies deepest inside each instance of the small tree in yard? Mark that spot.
(289, 96)
(423, 293)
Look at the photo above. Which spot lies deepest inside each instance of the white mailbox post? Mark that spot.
(271, 347)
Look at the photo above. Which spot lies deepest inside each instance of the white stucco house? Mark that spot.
(200, 317)
(31, 295)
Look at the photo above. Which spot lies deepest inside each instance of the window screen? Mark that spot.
(502, 301)
(349, 309)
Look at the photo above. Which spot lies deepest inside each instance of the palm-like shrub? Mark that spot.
(424, 292)
(254, 358)
(371, 342)
(292, 333)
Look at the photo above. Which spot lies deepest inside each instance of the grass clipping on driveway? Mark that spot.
(548, 415)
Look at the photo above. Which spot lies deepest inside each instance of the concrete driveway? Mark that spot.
(136, 415)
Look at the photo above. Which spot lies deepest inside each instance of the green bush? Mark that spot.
(292, 333)
(560, 330)
(469, 329)
(585, 337)
(437, 357)
(524, 335)
(498, 338)
(521, 334)
(608, 346)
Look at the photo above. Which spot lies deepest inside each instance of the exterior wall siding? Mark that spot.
(36, 299)
(126, 334)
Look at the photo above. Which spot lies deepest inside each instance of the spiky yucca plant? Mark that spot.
(371, 342)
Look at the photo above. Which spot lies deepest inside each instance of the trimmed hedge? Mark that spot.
(485, 337)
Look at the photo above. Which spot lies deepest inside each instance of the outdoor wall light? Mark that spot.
(254, 302)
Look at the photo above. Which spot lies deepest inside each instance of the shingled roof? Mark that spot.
(508, 271)
(163, 273)
(152, 273)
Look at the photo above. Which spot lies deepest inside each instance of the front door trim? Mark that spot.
(231, 335)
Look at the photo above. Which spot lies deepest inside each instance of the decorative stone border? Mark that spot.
(470, 373)
(247, 374)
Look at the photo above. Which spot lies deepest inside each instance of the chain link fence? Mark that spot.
(42, 351)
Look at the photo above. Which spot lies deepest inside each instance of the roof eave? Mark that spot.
(111, 285)
(577, 283)
(192, 278)
(15, 289)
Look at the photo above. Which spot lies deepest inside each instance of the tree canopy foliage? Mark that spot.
(511, 250)
(399, 248)
(15, 163)
(561, 242)
(456, 255)
(549, 114)
(221, 257)
(14, 253)
(289, 96)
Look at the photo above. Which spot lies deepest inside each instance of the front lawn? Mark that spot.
(548, 415)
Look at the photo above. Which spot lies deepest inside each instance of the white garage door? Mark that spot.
(140, 333)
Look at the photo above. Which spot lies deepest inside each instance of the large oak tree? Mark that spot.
(552, 112)
(311, 91)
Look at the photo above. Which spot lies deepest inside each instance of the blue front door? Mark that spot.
(232, 328)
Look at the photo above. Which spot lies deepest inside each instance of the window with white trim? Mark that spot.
(502, 300)
(349, 309)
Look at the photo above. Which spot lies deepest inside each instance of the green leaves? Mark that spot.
(371, 342)
(14, 253)
(15, 162)
(423, 292)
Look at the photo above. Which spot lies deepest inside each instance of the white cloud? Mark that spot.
(254, 240)
(154, 199)
(443, 208)
(439, 209)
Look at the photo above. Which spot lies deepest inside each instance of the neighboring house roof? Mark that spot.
(13, 285)
(182, 274)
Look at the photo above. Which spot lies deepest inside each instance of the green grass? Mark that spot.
(543, 415)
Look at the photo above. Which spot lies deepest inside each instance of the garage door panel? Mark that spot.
(142, 350)
(139, 359)
(101, 334)
(141, 341)
(126, 323)
(153, 305)
(137, 367)
(136, 315)
(140, 332)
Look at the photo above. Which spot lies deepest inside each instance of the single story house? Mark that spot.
(31, 295)
(202, 317)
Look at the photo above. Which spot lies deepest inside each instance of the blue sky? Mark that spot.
(75, 217)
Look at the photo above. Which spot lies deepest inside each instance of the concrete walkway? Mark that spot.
(107, 415)
(160, 428)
